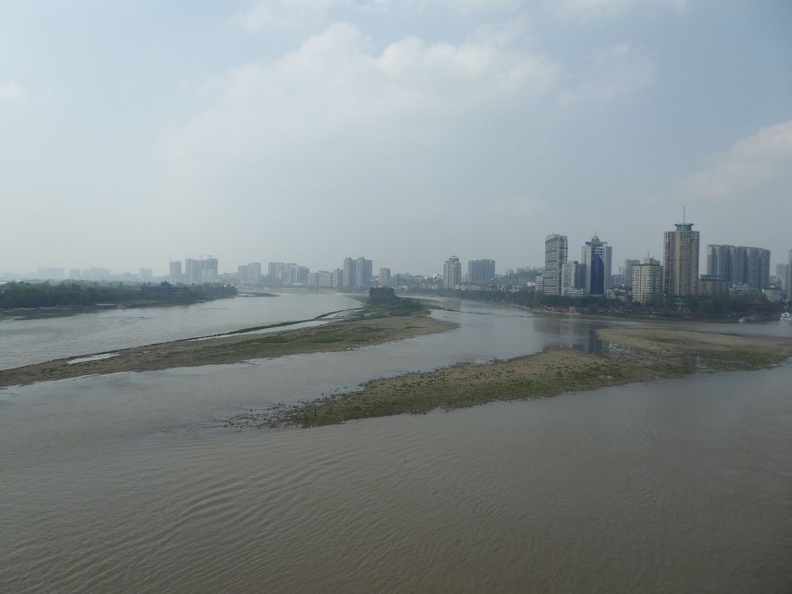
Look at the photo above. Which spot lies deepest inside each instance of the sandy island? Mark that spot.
(367, 329)
(633, 355)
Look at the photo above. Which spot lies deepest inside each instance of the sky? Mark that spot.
(136, 132)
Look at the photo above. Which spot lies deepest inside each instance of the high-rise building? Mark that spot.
(556, 252)
(681, 261)
(349, 273)
(789, 276)
(719, 261)
(337, 278)
(384, 277)
(596, 257)
(272, 270)
(628, 271)
(203, 270)
(452, 273)
(781, 272)
(296, 275)
(481, 272)
(325, 279)
(363, 271)
(254, 273)
(573, 279)
(209, 270)
(757, 267)
(175, 271)
(647, 281)
(739, 265)
(192, 271)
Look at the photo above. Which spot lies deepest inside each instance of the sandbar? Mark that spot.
(631, 355)
(361, 331)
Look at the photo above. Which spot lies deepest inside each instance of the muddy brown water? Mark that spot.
(130, 482)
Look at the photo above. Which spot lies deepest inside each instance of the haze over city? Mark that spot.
(135, 133)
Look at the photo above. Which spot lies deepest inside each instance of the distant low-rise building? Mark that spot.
(713, 286)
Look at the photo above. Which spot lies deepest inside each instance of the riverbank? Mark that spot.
(631, 355)
(367, 329)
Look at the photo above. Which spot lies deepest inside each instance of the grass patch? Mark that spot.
(324, 339)
(271, 340)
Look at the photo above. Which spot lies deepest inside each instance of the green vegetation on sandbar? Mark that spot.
(371, 325)
(638, 355)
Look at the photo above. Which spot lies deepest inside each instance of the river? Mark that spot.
(130, 482)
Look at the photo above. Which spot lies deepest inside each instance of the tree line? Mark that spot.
(86, 294)
(396, 306)
(703, 307)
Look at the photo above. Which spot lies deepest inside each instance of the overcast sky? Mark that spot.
(134, 132)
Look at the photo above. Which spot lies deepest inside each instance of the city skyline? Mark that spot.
(705, 261)
(409, 131)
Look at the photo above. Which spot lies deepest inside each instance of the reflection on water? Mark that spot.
(119, 484)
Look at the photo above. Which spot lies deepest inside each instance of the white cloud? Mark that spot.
(617, 70)
(11, 92)
(761, 161)
(333, 86)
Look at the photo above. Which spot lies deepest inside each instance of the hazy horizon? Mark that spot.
(309, 130)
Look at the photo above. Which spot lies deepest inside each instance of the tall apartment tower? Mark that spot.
(481, 272)
(208, 270)
(596, 257)
(337, 278)
(647, 281)
(384, 277)
(573, 279)
(719, 261)
(363, 271)
(556, 252)
(254, 273)
(349, 273)
(629, 265)
(452, 273)
(739, 265)
(175, 271)
(192, 272)
(789, 275)
(681, 261)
